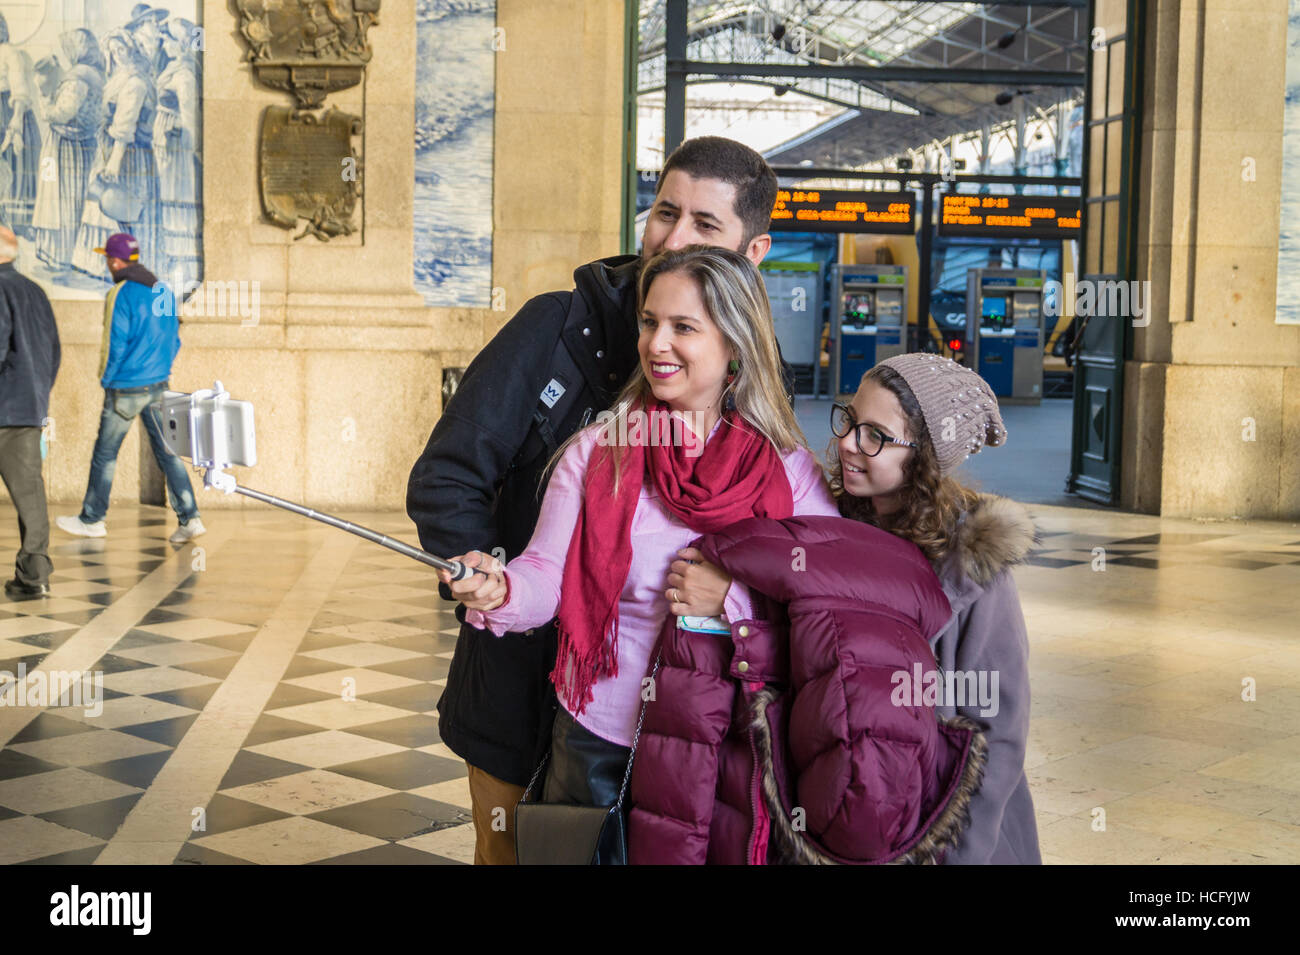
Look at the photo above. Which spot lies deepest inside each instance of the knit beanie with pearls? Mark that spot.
(959, 408)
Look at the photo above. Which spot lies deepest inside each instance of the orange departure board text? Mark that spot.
(1030, 217)
(838, 210)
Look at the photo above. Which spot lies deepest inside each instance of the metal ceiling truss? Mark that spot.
(939, 62)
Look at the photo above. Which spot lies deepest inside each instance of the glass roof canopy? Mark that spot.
(870, 120)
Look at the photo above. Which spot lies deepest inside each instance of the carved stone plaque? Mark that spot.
(308, 47)
(309, 170)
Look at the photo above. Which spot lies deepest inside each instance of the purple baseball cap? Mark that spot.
(121, 245)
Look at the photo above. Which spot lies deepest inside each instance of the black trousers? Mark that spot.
(585, 770)
(20, 468)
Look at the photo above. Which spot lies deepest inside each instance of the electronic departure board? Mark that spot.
(838, 210)
(1029, 217)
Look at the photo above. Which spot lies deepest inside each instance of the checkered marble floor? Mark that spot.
(1071, 548)
(269, 693)
(1165, 681)
(340, 760)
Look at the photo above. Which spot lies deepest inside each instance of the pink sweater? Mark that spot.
(657, 535)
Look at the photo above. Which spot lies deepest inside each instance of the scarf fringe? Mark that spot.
(603, 662)
(738, 475)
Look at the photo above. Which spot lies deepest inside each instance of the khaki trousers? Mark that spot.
(492, 803)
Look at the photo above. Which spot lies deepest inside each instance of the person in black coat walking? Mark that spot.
(478, 486)
(29, 362)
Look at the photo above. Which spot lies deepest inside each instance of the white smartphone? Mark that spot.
(208, 432)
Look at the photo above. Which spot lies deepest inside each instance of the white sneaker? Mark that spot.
(73, 524)
(186, 532)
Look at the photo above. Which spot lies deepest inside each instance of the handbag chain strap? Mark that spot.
(636, 737)
(541, 768)
(627, 772)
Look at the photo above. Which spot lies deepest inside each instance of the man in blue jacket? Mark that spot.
(29, 360)
(139, 346)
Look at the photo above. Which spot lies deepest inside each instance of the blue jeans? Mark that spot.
(121, 406)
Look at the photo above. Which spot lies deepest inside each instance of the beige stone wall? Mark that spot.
(1213, 368)
(559, 141)
(345, 364)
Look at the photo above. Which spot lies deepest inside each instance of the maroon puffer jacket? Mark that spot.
(784, 735)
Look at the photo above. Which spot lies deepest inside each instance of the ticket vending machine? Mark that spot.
(1004, 330)
(868, 320)
(794, 290)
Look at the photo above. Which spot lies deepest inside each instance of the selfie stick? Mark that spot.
(214, 476)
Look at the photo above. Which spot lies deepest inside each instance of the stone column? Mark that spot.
(1212, 393)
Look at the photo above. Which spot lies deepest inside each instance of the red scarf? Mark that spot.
(738, 475)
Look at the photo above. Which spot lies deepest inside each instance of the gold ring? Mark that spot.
(677, 598)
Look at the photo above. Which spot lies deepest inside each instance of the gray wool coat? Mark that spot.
(987, 634)
(29, 350)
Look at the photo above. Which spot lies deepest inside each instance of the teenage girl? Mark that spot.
(913, 420)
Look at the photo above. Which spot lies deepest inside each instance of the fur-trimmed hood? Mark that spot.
(990, 537)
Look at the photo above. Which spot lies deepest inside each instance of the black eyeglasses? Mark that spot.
(842, 422)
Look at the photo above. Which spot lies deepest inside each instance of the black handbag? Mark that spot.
(555, 834)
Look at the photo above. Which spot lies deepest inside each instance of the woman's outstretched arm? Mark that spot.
(534, 577)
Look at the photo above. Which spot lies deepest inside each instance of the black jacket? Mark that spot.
(29, 350)
(479, 485)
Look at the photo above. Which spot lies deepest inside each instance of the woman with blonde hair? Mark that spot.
(701, 437)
